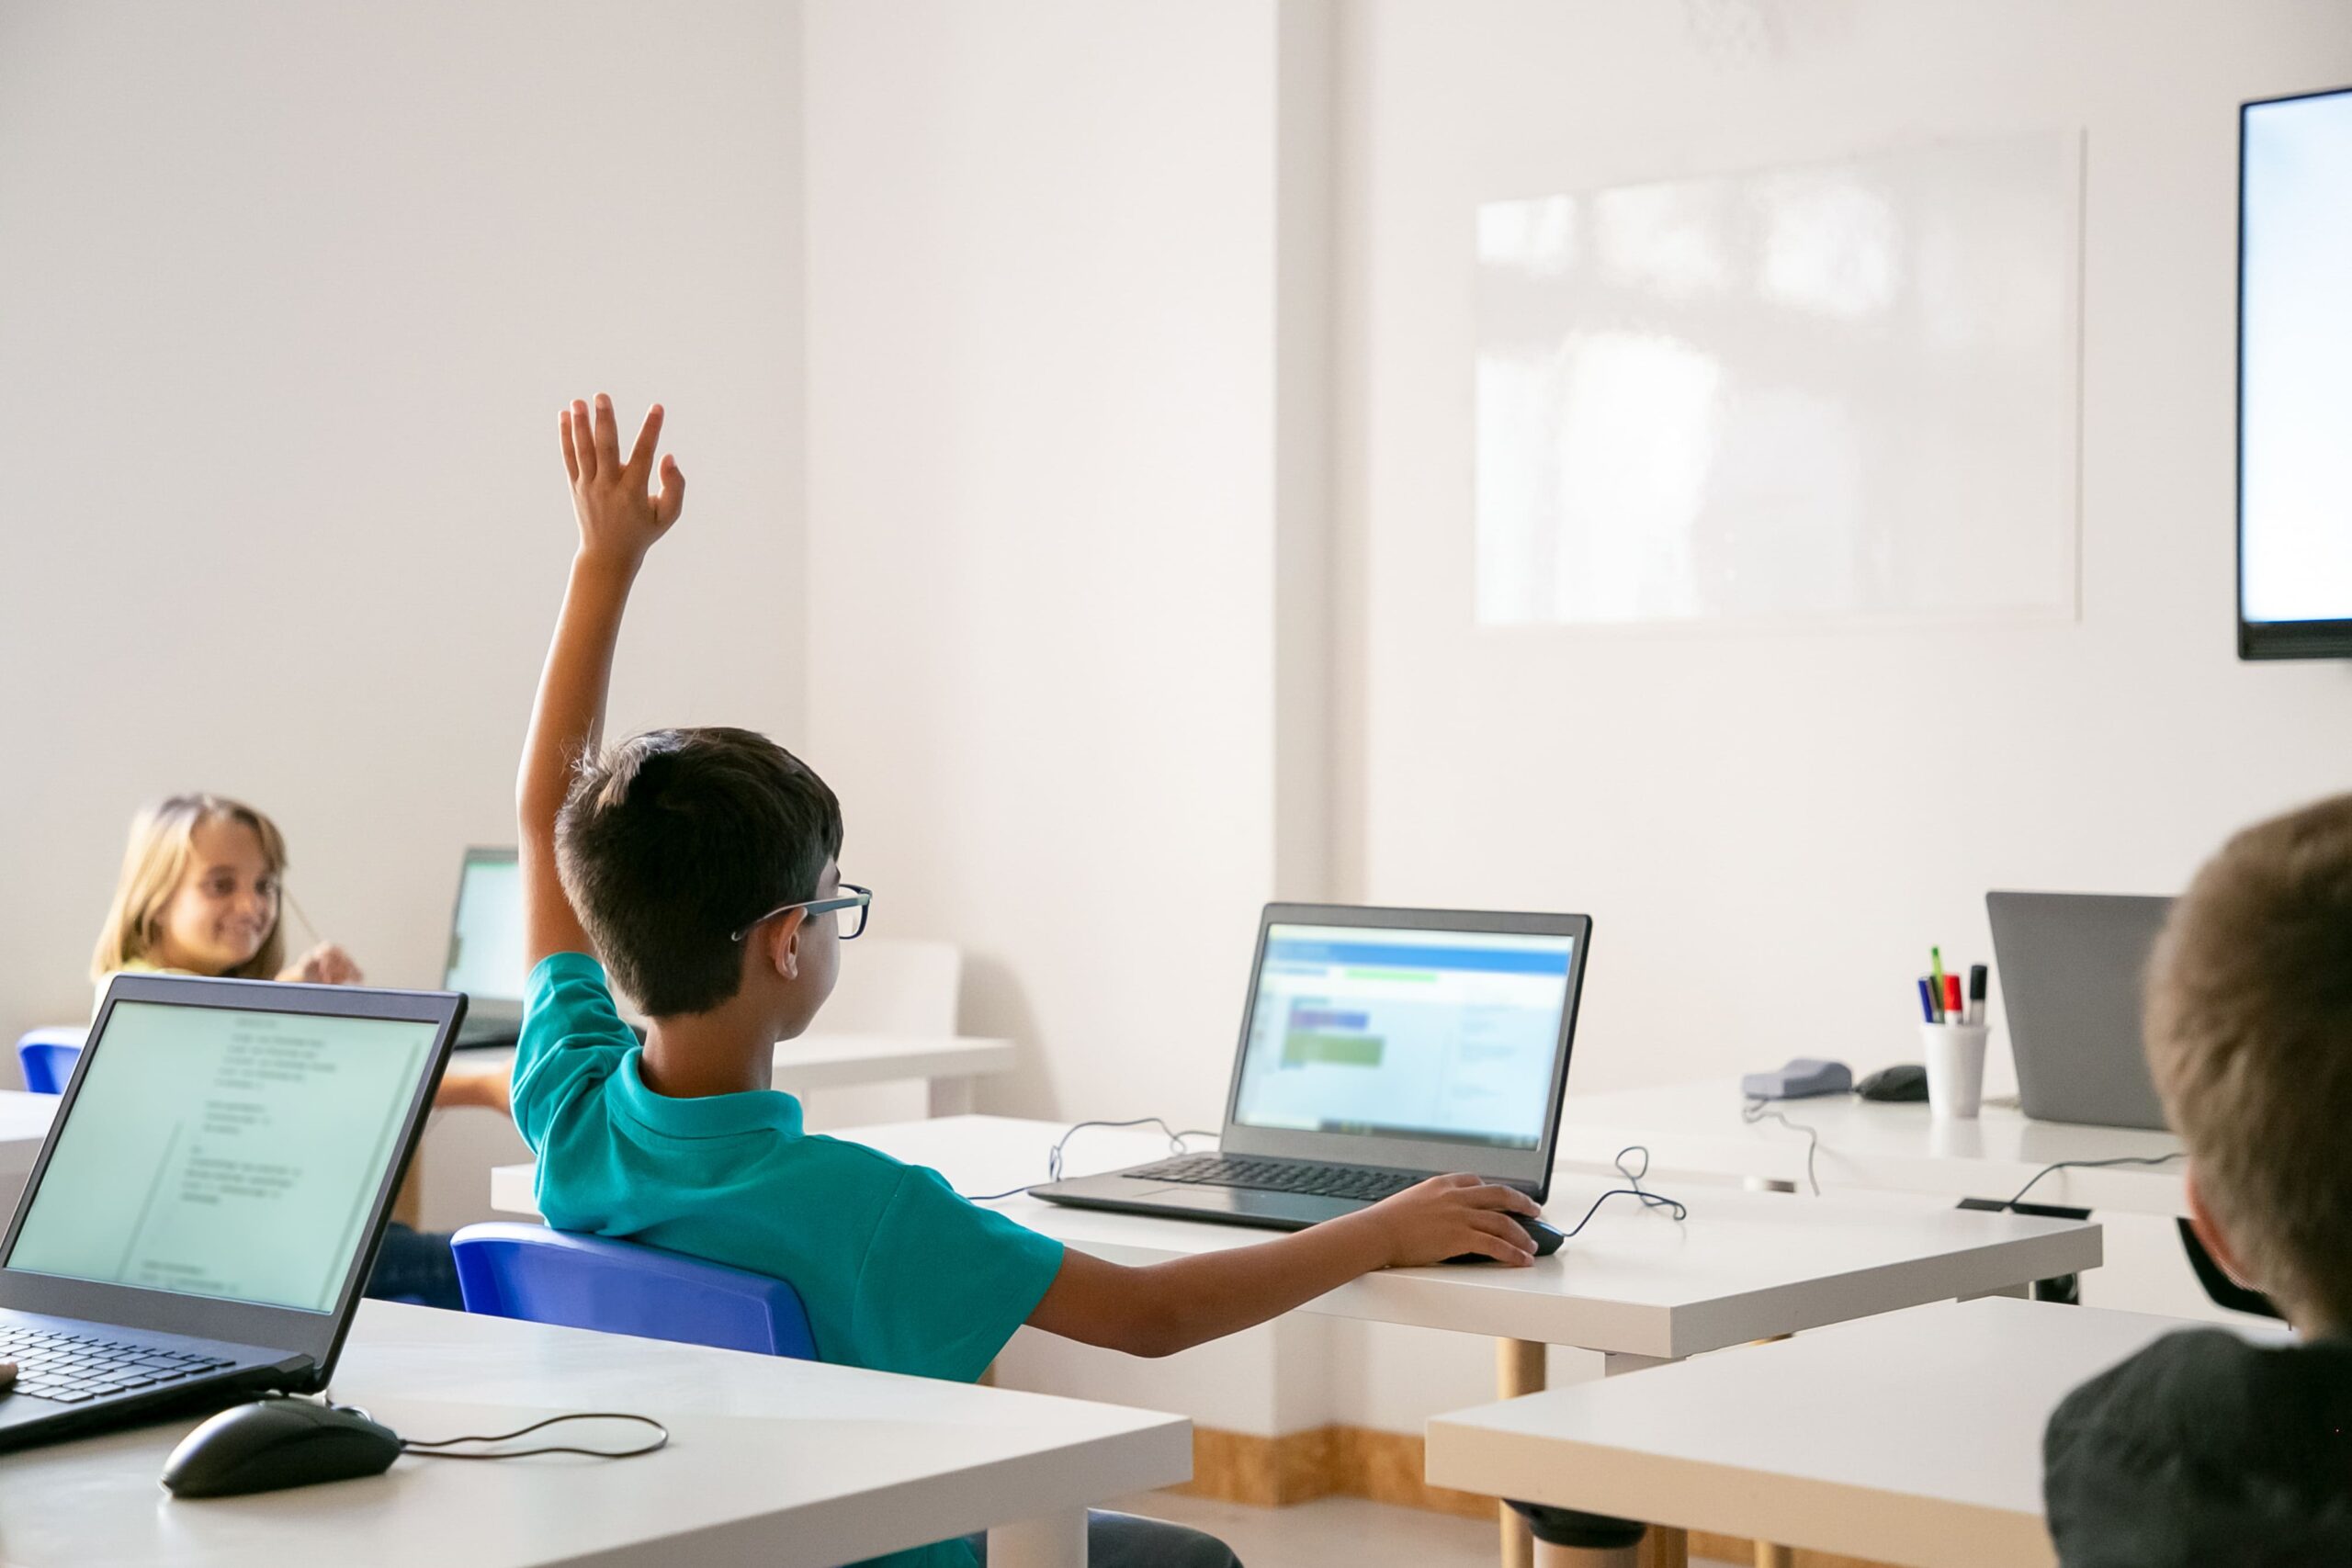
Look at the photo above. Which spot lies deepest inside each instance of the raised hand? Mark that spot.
(620, 516)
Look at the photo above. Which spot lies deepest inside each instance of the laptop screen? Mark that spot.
(1449, 1035)
(211, 1151)
(486, 938)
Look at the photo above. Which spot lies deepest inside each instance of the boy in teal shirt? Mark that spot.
(702, 865)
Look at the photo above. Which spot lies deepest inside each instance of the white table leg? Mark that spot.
(951, 1096)
(1052, 1541)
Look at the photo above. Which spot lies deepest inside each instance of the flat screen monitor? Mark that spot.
(2295, 378)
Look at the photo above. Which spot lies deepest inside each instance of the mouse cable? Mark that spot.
(1755, 1112)
(1632, 1190)
(1053, 1156)
(441, 1448)
(2090, 1165)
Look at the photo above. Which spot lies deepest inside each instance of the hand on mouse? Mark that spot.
(1456, 1217)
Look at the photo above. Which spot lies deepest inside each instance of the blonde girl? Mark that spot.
(201, 891)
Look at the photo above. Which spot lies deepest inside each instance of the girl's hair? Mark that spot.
(162, 838)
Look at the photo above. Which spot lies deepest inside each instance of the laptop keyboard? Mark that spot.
(72, 1367)
(1365, 1183)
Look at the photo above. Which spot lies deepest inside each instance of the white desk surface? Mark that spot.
(1910, 1439)
(1696, 1127)
(833, 1061)
(1745, 1266)
(771, 1462)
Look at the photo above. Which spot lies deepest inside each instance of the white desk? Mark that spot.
(1635, 1285)
(24, 1123)
(949, 1062)
(1911, 1439)
(1697, 1127)
(1746, 1265)
(772, 1463)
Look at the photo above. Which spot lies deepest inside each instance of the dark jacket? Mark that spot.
(2206, 1450)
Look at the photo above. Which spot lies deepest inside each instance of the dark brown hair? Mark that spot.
(2250, 1038)
(672, 841)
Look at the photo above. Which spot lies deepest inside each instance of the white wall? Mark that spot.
(1043, 273)
(1766, 843)
(289, 297)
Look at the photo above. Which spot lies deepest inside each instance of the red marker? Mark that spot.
(1951, 998)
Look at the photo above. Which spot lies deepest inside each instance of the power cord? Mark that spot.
(443, 1448)
(1756, 1109)
(2089, 1165)
(1054, 1156)
(1632, 1188)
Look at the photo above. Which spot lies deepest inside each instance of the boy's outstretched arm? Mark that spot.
(619, 519)
(1160, 1308)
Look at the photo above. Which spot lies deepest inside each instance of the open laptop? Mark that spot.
(2072, 967)
(1379, 1047)
(211, 1197)
(486, 948)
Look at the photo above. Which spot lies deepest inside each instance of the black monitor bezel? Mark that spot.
(1530, 1169)
(2271, 640)
(317, 1336)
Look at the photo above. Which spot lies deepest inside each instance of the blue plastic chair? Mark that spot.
(47, 1056)
(619, 1287)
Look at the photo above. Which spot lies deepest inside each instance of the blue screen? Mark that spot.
(1444, 1035)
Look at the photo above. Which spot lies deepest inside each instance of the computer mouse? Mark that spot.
(1908, 1081)
(273, 1443)
(1548, 1241)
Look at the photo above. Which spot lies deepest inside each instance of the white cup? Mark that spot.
(1956, 1068)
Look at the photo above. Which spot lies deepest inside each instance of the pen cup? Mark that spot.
(1956, 1068)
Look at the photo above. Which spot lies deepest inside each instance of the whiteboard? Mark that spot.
(1843, 390)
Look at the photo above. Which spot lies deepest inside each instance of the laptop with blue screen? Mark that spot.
(1379, 1047)
(211, 1197)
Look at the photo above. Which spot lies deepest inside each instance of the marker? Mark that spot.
(1977, 976)
(1926, 1002)
(1936, 971)
(1951, 998)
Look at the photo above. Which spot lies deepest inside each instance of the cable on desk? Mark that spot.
(1632, 1188)
(1054, 1156)
(442, 1448)
(1756, 1111)
(2089, 1164)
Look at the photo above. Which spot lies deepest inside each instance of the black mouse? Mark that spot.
(278, 1442)
(1907, 1082)
(1548, 1241)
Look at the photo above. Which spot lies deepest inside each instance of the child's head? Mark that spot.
(198, 891)
(2250, 1036)
(676, 841)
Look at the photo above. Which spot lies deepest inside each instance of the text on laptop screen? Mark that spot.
(213, 1152)
(1449, 1035)
(486, 943)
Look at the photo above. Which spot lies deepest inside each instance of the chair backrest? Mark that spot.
(892, 986)
(619, 1287)
(47, 1056)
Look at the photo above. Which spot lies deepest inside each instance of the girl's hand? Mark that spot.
(326, 965)
(620, 518)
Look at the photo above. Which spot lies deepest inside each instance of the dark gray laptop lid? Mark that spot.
(2072, 966)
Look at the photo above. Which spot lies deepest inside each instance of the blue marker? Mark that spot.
(1926, 1003)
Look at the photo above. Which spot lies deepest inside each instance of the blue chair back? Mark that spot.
(47, 1056)
(619, 1287)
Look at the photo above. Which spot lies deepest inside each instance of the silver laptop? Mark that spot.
(211, 1197)
(1379, 1047)
(486, 948)
(2072, 967)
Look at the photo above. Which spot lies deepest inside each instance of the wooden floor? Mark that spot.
(1335, 1532)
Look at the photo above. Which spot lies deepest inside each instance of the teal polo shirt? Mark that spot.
(898, 1274)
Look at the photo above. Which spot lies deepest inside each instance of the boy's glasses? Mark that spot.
(851, 907)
